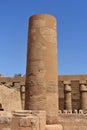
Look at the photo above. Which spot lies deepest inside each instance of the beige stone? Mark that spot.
(29, 121)
(68, 96)
(83, 91)
(6, 129)
(54, 127)
(30, 118)
(41, 72)
(10, 98)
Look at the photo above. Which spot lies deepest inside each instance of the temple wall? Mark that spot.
(73, 121)
(75, 81)
(36, 120)
(10, 98)
(12, 80)
(75, 93)
(23, 120)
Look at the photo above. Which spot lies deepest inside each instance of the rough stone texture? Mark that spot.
(41, 72)
(29, 121)
(6, 129)
(54, 127)
(68, 96)
(9, 98)
(75, 86)
(83, 90)
(73, 122)
(22, 91)
(12, 80)
(23, 120)
(76, 93)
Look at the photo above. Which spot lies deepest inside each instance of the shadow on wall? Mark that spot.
(1, 109)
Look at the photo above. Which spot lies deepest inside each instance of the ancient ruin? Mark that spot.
(41, 74)
(43, 100)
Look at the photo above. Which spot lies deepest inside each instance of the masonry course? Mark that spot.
(74, 80)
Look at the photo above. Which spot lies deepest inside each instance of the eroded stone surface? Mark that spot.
(41, 74)
(30, 121)
(54, 127)
(6, 128)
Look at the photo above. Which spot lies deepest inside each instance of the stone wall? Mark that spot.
(74, 80)
(23, 120)
(75, 121)
(36, 120)
(12, 80)
(10, 98)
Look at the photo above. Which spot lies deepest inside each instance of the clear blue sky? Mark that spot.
(71, 18)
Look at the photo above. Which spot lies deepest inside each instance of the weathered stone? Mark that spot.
(6, 128)
(31, 118)
(54, 127)
(9, 84)
(67, 96)
(41, 74)
(5, 120)
(9, 98)
(17, 85)
(83, 92)
(29, 121)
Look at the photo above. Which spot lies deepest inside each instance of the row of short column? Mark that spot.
(68, 95)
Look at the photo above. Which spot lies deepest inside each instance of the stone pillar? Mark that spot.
(68, 96)
(22, 91)
(41, 73)
(83, 92)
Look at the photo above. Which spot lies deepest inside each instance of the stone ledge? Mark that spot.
(54, 127)
(75, 112)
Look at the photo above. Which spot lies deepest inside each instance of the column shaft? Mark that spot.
(41, 72)
(83, 90)
(68, 101)
(68, 97)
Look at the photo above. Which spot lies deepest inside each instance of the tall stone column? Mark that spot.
(83, 92)
(68, 96)
(41, 72)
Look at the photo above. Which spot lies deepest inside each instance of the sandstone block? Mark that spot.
(6, 128)
(5, 120)
(30, 121)
(54, 127)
